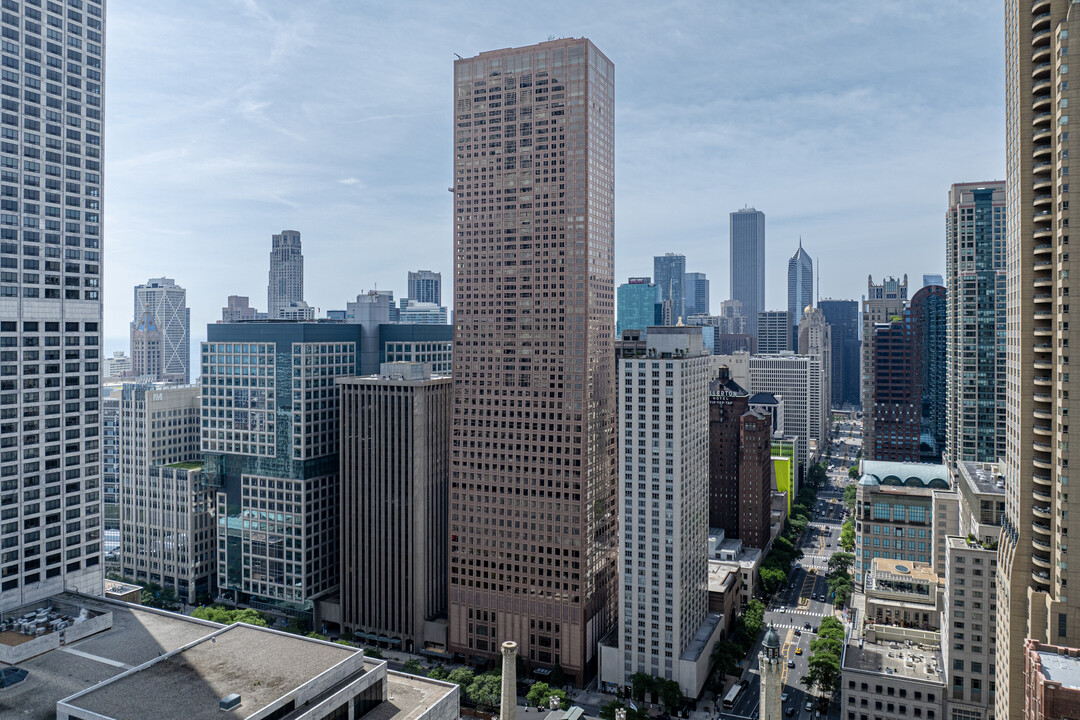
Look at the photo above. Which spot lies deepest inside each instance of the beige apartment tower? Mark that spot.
(533, 526)
(1038, 594)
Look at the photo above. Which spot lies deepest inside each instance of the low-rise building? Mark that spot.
(730, 551)
(903, 594)
(894, 674)
(1051, 681)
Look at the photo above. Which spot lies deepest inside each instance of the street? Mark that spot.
(799, 607)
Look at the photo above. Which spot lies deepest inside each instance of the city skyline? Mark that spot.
(251, 170)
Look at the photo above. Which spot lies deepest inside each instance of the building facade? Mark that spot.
(796, 379)
(800, 286)
(697, 294)
(414, 312)
(50, 311)
(669, 271)
(270, 443)
(166, 530)
(774, 332)
(568, 459)
(110, 457)
(425, 286)
(637, 299)
(842, 317)
(286, 287)
(1051, 681)
(968, 625)
(238, 308)
(395, 478)
(883, 303)
(677, 471)
(975, 323)
(146, 343)
(815, 340)
(167, 302)
(747, 262)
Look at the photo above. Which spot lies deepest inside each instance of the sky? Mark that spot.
(844, 121)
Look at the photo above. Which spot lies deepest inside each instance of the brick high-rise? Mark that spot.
(533, 474)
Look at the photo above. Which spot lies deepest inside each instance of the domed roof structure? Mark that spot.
(772, 639)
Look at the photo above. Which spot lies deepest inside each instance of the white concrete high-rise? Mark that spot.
(425, 286)
(656, 629)
(50, 312)
(286, 289)
(167, 302)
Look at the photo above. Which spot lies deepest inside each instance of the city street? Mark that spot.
(801, 605)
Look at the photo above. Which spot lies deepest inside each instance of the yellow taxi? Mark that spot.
(798, 651)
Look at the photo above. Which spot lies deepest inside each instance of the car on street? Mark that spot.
(783, 697)
(809, 706)
(798, 651)
(791, 663)
(806, 626)
(798, 633)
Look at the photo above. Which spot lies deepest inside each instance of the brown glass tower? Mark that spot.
(532, 497)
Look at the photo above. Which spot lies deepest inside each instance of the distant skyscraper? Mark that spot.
(286, 275)
(413, 312)
(425, 286)
(238, 308)
(146, 342)
(50, 419)
(883, 303)
(800, 285)
(774, 332)
(167, 302)
(815, 340)
(843, 319)
(747, 233)
(669, 271)
(574, 466)
(932, 279)
(637, 300)
(395, 489)
(975, 322)
(697, 294)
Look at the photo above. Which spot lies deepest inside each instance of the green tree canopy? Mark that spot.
(413, 667)
(841, 562)
(219, 614)
(485, 690)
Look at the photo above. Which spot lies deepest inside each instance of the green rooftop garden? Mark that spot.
(189, 465)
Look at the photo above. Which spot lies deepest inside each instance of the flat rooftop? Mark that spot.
(260, 664)
(895, 658)
(904, 569)
(983, 477)
(141, 635)
(1060, 668)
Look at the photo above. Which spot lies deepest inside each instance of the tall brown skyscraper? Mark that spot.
(1034, 595)
(533, 526)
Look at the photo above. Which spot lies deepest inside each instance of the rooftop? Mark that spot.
(913, 571)
(918, 475)
(700, 641)
(1059, 668)
(188, 683)
(983, 478)
(180, 667)
(907, 660)
(187, 465)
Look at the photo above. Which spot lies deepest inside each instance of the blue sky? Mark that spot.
(229, 120)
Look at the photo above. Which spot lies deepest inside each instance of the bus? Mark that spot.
(732, 695)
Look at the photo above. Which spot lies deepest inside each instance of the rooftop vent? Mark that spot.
(229, 702)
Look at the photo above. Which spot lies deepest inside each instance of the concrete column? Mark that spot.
(508, 704)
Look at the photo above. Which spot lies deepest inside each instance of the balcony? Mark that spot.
(1041, 479)
(1041, 561)
(1041, 102)
(1041, 464)
(1042, 429)
(1038, 6)
(1045, 198)
(1039, 494)
(1040, 21)
(1040, 446)
(1042, 216)
(1043, 281)
(1040, 528)
(1041, 576)
(1041, 119)
(1041, 183)
(1042, 365)
(1043, 379)
(1041, 86)
(1040, 37)
(1042, 297)
(1040, 54)
(1042, 511)
(1040, 70)
(1041, 134)
(1042, 415)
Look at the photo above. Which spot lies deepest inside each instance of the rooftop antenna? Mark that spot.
(817, 296)
(458, 56)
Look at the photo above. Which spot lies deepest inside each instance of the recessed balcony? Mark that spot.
(1042, 151)
(1040, 54)
(1041, 479)
(1039, 543)
(1042, 216)
(1041, 576)
(1042, 118)
(1039, 527)
(1040, 86)
(1042, 415)
(1042, 429)
(1040, 21)
(1041, 134)
(1039, 494)
(1042, 281)
(1040, 446)
(1040, 38)
(1042, 511)
(1041, 102)
(1042, 297)
(1045, 380)
(1043, 199)
(1040, 561)
(1041, 183)
(1038, 6)
(1041, 464)
(1041, 70)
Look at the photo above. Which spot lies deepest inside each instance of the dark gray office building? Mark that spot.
(843, 317)
(748, 262)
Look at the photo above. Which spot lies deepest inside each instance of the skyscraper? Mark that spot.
(637, 300)
(549, 583)
(843, 319)
(681, 489)
(146, 342)
(815, 340)
(395, 456)
(52, 317)
(800, 284)
(883, 303)
(425, 286)
(286, 289)
(167, 302)
(975, 323)
(669, 271)
(774, 332)
(747, 233)
(697, 294)
(1034, 575)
